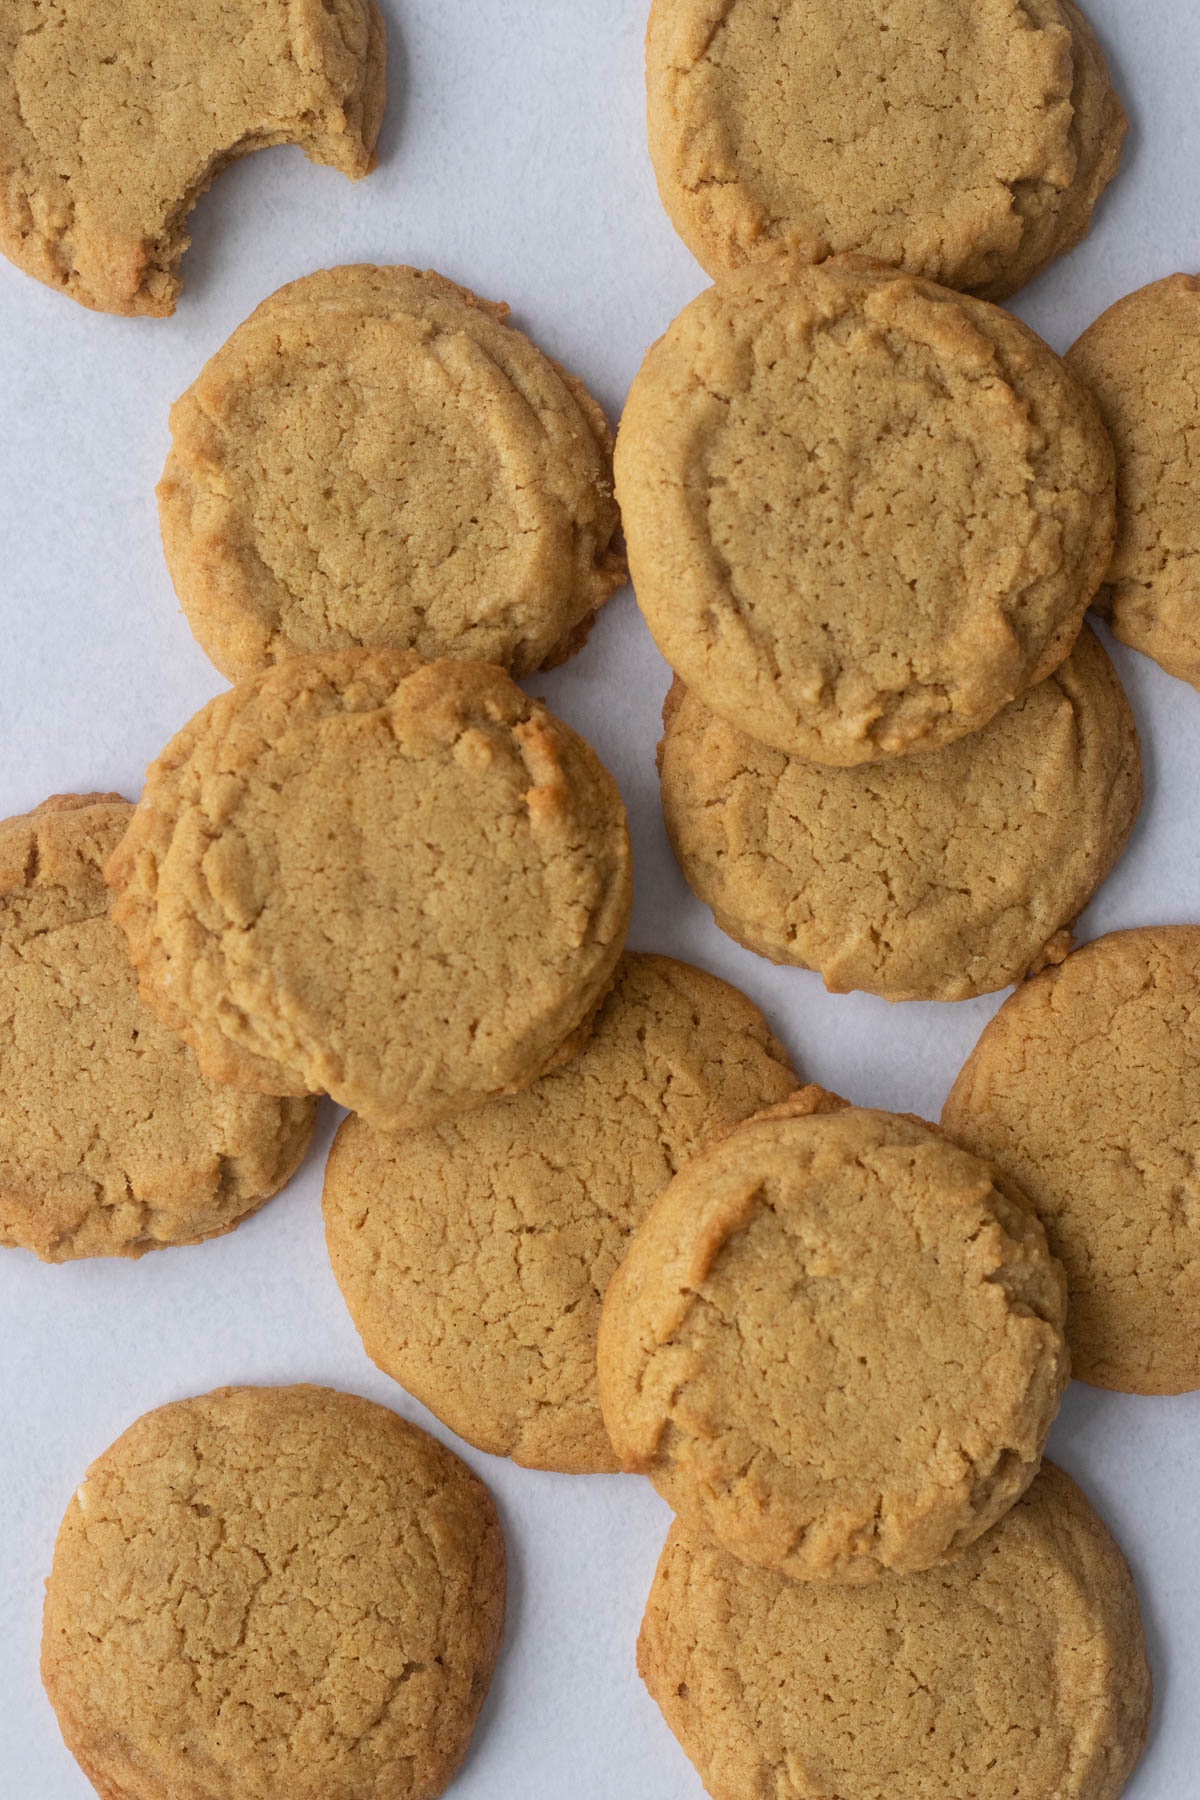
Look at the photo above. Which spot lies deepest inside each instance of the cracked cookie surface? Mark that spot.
(400, 883)
(863, 512)
(1020, 1669)
(933, 877)
(968, 141)
(375, 457)
(273, 1591)
(1141, 361)
(835, 1344)
(114, 119)
(112, 1142)
(474, 1256)
(1083, 1090)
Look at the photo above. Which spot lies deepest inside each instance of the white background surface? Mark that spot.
(513, 159)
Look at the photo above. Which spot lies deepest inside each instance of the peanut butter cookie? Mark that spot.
(1141, 360)
(1021, 1669)
(835, 1343)
(375, 457)
(115, 118)
(273, 1591)
(112, 1142)
(968, 140)
(863, 512)
(932, 877)
(400, 883)
(1083, 1089)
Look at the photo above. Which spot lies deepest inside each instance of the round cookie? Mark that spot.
(114, 119)
(273, 1591)
(1083, 1090)
(863, 513)
(968, 140)
(400, 883)
(835, 1344)
(1019, 1670)
(474, 1255)
(376, 458)
(934, 877)
(112, 1142)
(1141, 360)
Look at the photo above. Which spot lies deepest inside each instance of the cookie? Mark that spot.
(376, 458)
(1083, 1090)
(400, 883)
(863, 513)
(112, 1142)
(270, 1591)
(967, 140)
(1141, 360)
(835, 1344)
(1020, 1670)
(933, 877)
(474, 1255)
(114, 119)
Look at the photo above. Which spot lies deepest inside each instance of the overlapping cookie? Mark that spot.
(933, 877)
(863, 513)
(474, 1255)
(835, 1344)
(1141, 360)
(1019, 1669)
(1083, 1089)
(112, 1141)
(401, 883)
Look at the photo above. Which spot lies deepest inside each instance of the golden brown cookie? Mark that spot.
(1141, 360)
(376, 458)
(967, 140)
(400, 883)
(474, 1255)
(934, 877)
(835, 1344)
(863, 512)
(1083, 1089)
(270, 1592)
(115, 118)
(112, 1142)
(1020, 1670)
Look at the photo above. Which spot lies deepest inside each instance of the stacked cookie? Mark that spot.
(865, 518)
(836, 1347)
